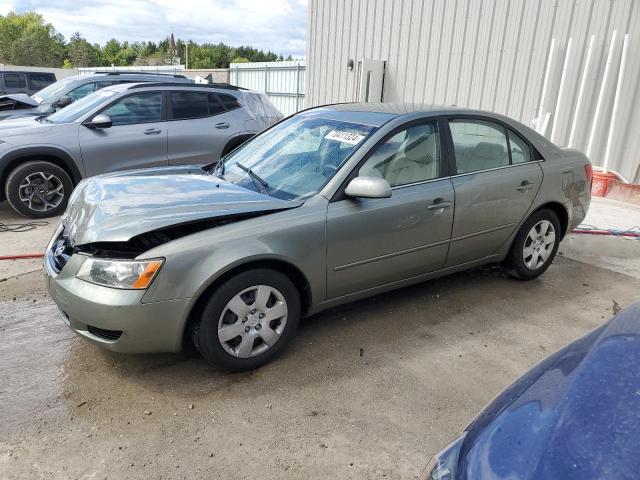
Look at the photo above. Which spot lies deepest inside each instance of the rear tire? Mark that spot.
(38, 189)
(248, 320)
(535, 245)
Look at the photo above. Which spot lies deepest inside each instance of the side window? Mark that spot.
(14, 80)
(103, 84)
(410, 156)
(37, 81)
(478, 145)
(228, 101)
(81, 91)
(138, 108)
(185, 105)
(215, 106)
(520, 152)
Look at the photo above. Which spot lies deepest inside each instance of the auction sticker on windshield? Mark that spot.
(344, 137)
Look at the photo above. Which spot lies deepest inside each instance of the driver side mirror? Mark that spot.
(63, 101)
(368, 187)
(99, 121)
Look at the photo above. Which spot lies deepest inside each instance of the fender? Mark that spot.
(64, 160)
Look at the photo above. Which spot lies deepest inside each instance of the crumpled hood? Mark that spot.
(116, 207)
(19, 98)
(574, 416)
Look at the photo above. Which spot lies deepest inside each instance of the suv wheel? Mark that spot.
(535, 245)
(248, 320)
(38, 189)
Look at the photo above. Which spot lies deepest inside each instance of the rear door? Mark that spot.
(373, 242)
(198, 127)
(495, 184)
(137, 139)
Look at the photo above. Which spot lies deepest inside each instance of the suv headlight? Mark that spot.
(444, 465)
(128, 274)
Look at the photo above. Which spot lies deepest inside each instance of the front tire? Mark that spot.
(248, 320)
(38, 189)
(535, 245)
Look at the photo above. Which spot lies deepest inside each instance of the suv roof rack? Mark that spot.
(110, 72)
(226, 86)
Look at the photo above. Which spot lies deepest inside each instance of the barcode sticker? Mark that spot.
(344, 137)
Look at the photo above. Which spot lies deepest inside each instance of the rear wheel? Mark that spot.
(535, 245)
(38, 189)
(248, 320)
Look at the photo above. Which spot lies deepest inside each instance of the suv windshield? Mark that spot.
(84, 105)
(51, 93)
(296, 158)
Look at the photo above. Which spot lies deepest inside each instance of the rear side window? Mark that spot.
(478, 145)
(520, 152)
(185, 105)
(228, 101)
(37, 81)
(14, 80)
(81, 91)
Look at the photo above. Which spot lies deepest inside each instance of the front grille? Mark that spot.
(104, 333)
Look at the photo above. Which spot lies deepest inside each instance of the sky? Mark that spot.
(276, 25)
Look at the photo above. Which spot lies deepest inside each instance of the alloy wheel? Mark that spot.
(252, 321)
(41, 192)
(539, 244)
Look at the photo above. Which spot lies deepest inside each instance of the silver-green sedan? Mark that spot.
(330, 205)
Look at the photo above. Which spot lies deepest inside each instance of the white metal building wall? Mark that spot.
(493, 55)
(283, 82)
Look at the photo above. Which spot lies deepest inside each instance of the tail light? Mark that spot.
(588, 169)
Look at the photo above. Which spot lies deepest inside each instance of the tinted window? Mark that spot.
(228, 101)
(409, 156)
(478, 145)
(38, 81)
(520, 152)
(103, 84)
(14, 80)
(189, 105)
(139, 108)
(214, 105)
(81, 91)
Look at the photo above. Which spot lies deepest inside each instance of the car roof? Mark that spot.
(183, 85)
(378, 113)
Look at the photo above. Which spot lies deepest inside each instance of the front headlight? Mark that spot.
(129, 274)
(444, 465)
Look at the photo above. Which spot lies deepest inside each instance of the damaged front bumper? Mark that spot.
(114, 319)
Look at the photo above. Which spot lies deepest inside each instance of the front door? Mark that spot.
(497, 180)
(137, 139)
(372, 242)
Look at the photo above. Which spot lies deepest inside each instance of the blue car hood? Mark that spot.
(574, 416)
(117, 207)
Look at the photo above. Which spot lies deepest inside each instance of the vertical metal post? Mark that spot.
(266, 78)
(298, 87)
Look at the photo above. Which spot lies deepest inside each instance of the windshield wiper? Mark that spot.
(255, 178)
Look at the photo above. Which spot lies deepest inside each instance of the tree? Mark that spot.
(110, 52)
(25, 39)
(81, 53)
(240, 60)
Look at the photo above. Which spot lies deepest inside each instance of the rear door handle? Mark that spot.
(439, 204)
(525, 185)
(222, 125)
(153, 131)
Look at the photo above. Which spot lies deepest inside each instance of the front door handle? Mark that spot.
(439, 204)
(153, 131)
(525, 185)
(222, 125)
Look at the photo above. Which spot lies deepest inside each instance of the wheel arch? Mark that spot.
(235, 142)
(561, 211)
(48, 154)
(298, 278)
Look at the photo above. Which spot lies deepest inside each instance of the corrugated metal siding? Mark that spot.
(283, 82)
(488, 54)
